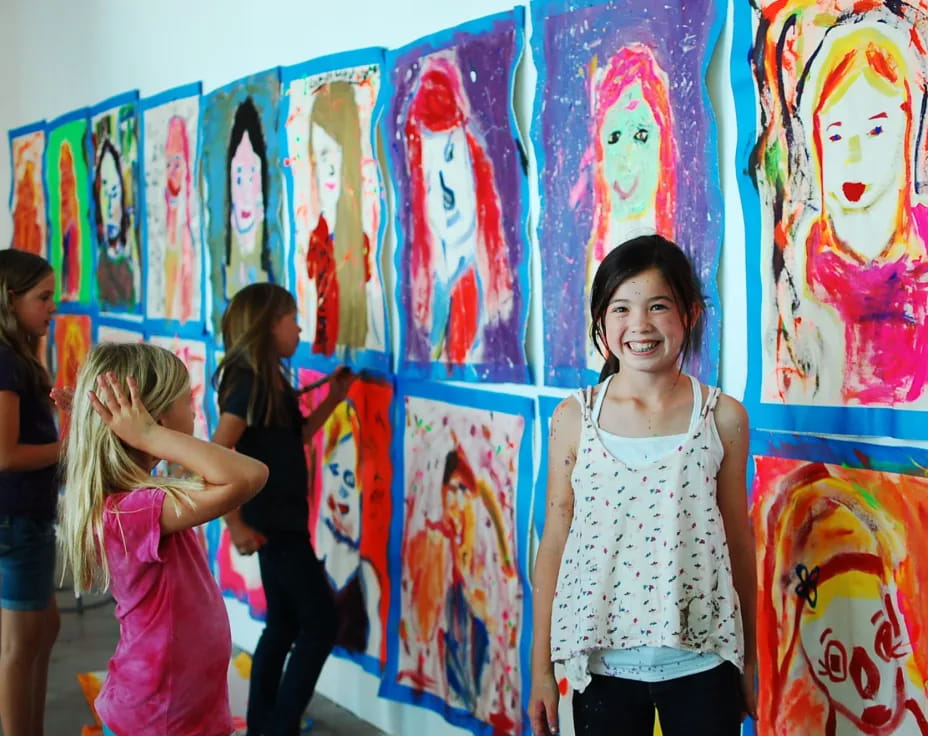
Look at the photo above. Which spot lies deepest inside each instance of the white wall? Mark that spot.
(57, 55)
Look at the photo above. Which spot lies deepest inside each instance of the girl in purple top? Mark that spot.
(127, 530)
(28, 493)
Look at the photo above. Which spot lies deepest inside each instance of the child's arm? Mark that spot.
(229, 478)
(562, 449)
(15, 456)
(247, 539)
(340, 381)
(734, 431)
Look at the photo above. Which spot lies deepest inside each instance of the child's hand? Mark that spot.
(63, 398)
(246, 539)
(749, 691)
(127, 417)
(542, 706)
(341, 380)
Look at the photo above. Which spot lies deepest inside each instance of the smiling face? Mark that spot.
(110, 195)
(643, 324)
(327, 160)
(246, 196)
(855, 644)
(630, 140)
(451, 197)
(33, 309)
(863, 146)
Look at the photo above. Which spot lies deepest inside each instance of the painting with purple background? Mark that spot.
(461, 202)
(626, 146)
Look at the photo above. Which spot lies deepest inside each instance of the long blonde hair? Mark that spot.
(99, 464)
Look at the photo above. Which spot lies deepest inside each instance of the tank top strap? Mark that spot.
(597, 408)
(711, 400)
(584, 397)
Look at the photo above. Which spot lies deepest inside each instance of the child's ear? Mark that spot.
(695, 314)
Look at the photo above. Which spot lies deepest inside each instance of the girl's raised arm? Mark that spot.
(15, 456)
(229, 478)
(732, 496)
(562, 451)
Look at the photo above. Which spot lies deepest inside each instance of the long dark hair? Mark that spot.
(248, 121)
(108, 149)
(19, 272)
(632, 258)
(246, 333)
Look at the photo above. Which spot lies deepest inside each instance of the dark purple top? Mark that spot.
(32, 493)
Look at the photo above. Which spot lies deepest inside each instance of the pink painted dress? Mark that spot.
(884, 307)
(168, 675)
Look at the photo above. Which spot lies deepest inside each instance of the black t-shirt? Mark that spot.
(282, 505)
(32, 493)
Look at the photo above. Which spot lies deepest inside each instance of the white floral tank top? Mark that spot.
(645, 562)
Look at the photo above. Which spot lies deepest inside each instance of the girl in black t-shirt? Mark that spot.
(28, 492)
(260, 416)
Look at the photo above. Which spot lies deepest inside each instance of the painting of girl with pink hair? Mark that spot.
(460, 180)
(625, 141)
(172, 205)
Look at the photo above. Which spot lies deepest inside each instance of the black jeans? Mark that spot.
(705, 704)
(301, 621)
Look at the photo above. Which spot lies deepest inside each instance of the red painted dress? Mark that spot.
(883, 305)
(320, 267)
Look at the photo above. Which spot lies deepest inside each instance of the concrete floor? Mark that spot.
(85, 644)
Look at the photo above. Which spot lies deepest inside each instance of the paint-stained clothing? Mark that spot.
(883, 305)
(168, 674)
(646, 562)
(28, 493)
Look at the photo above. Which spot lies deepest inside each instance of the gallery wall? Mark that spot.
(56, 57)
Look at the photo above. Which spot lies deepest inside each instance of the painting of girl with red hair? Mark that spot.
(460, 210)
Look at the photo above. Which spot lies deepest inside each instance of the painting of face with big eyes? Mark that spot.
(110, 196)
(630, 142)
(855, 649)
(863, 146)
(451, 197)
(247, 199)
(342, 509)
(327, 159)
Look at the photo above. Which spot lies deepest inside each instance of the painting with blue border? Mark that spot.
(119, 261)
(835, 239)
(172, 235)
(330, 110)
(842, 564)
(239, 164)
(27, 190)
(67, 179)
(459, 173)
(460, 612)
(625, 139)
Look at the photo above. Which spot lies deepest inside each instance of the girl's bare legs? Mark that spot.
(26, 640)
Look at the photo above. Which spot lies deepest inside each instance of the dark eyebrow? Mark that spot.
(878, 116)
(825, 633)
(835, 124)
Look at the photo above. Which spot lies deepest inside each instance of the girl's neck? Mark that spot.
(648, 388)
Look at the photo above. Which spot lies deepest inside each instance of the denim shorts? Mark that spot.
(27, 563)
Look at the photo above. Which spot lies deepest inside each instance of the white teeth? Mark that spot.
(642, 347)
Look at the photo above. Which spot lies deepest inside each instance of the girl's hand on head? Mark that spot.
(63, 398)
(542, 706)
(127, 417)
